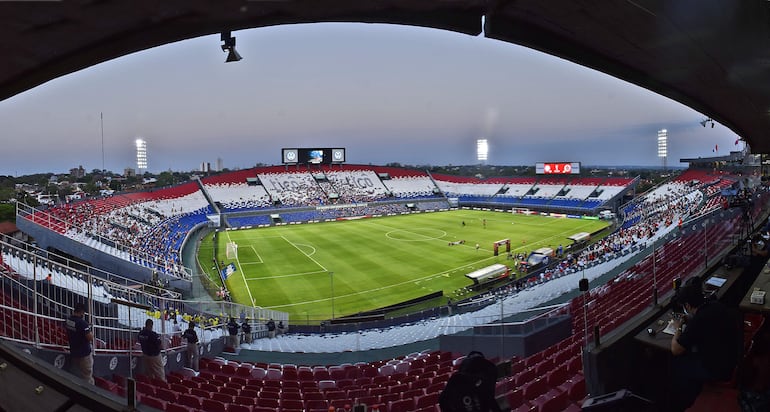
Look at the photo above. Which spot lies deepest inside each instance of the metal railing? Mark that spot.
(38, 293)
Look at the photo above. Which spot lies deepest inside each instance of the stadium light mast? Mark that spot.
(663, 146)
(482, 150)
(141, 154)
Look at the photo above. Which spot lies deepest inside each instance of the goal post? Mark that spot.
(232, 250)
(506, 242)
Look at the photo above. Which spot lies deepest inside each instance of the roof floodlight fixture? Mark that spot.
(482, 150)
(229, 47)
(706, 121)
(662, 143)
(663, 146)
(141, 154)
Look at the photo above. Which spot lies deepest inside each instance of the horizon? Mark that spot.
(406, 166)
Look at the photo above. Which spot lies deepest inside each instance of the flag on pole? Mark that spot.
(228, 270)
(716, 148)
(736, 141)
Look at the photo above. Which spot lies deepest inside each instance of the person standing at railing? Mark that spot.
(192, 346)
(271, 328)
(81, 340)
(246, 328)
(151, 346)
(232, 329)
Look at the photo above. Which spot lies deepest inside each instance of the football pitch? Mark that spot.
(308, 270)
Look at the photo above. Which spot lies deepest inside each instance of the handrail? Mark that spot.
(35, 304)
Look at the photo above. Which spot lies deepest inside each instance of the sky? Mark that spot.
(386, 93)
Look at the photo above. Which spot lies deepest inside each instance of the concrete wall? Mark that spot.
(521, 339)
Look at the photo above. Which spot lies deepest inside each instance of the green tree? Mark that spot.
(28, 199)
(90, 188)
(7, 212)
(6, 194)
(115, 185)
(166, 179)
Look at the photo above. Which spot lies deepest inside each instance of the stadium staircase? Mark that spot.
(206, 194)
(440, 192)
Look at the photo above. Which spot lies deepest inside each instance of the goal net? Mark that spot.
(232, 250)
(506, 242)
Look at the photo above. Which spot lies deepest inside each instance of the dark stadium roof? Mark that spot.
(732, 157)
(712, 55)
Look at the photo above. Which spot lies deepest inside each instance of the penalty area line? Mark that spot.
(308, 256)
(291, 275)
(243, 274)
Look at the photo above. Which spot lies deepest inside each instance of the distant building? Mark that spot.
(205, 167)
(78, 172)
(129, 172)
(220, 164)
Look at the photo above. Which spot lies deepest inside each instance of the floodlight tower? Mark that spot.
(482, 150)
(141, 154)
(663, 146)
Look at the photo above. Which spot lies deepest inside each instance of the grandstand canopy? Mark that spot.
(732, 157)
(711, 55)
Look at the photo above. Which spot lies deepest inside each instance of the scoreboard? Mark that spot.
(312, 156)
(558, 168)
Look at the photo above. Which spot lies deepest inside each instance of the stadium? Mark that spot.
(381, 280)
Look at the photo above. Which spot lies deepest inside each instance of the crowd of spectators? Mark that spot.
(149, 229)
(239, 196)
(411, 186)
(357, 186)
(666, 206)
(156, 228)
(294, 189)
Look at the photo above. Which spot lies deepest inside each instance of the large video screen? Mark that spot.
(313, 156)
(558, 168)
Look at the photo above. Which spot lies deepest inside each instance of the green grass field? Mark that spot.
(375, 262)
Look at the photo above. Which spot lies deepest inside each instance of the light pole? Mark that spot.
(331, 280)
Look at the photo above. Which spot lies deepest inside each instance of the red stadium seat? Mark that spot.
(166, 395)
(175, 407)
(213, 405)
(316, 404)
(249, 393)
(526, 407)
(267, 402)
(245, 400)
(258, 373)
(403, 405)
(515, 398)
(154, 402)
(296, 404)
(326, 385)
(222, 397)
(189, 400)
(534, 389)
(234, 407)
(426, 400)
(320, 373)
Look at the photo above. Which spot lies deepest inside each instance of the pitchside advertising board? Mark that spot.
(312, 156)
(558, 168)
